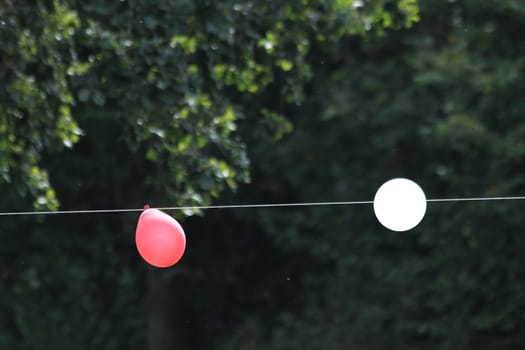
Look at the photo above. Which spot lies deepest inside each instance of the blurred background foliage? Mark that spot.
(118, 104)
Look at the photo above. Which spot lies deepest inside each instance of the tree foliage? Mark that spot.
(35, 108)
(174, 73)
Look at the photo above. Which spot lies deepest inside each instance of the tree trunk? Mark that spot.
(160, 324)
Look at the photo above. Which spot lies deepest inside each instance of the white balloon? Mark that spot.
(400, 204)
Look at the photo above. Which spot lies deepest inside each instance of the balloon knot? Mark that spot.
(146, 207)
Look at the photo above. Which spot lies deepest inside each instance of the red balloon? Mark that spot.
(160, 239)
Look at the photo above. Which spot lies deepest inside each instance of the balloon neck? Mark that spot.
(146, 207)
